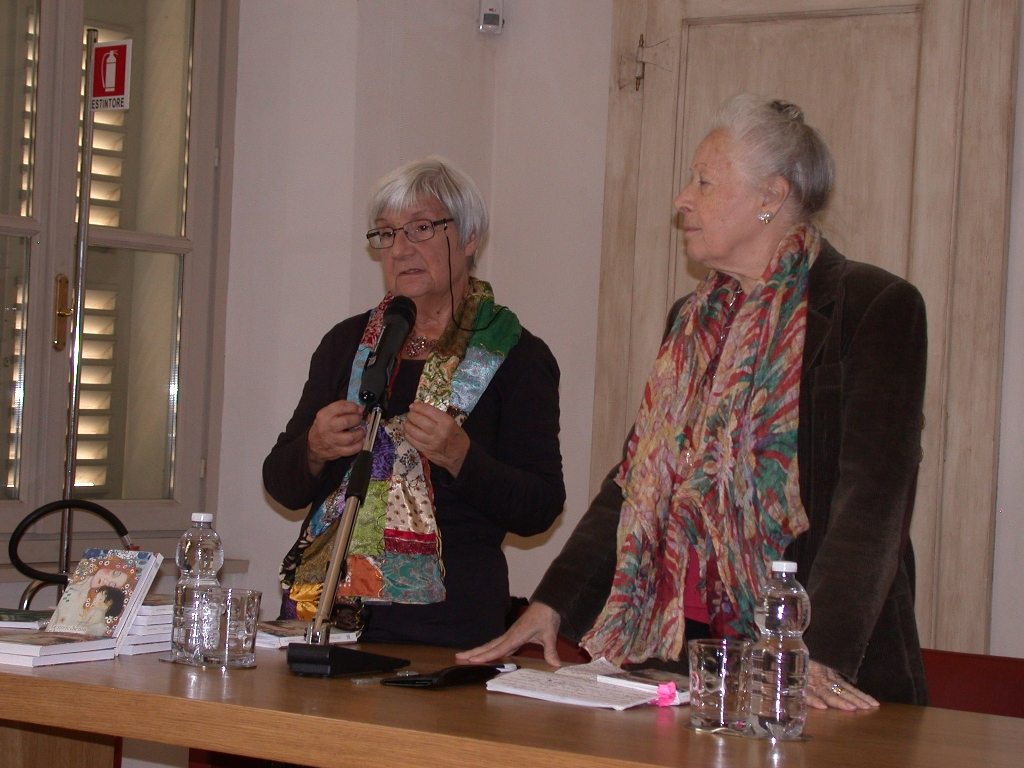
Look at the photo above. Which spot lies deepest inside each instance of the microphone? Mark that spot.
(399, 318)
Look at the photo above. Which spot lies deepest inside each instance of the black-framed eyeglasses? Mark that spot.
(416, 231)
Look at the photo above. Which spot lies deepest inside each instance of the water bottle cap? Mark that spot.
(202, 517)
(783, 566)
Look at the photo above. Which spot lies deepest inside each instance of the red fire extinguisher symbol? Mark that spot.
(110, 71)
(111, 75)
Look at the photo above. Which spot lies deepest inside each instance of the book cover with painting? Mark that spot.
(105, 592)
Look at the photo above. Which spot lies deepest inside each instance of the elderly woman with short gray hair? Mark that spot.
(468, 448)
(782, 419)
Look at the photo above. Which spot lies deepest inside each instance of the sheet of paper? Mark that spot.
(599, 666)
(581, 690)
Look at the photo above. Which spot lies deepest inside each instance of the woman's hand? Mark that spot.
(435, 434)
(538, 624)
(334, 434)
(826, 688)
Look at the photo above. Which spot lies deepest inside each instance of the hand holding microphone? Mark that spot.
(334, 433)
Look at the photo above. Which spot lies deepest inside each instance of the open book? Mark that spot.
(280, 632)
(98, 605)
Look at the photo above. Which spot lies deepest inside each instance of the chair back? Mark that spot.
(991, 685)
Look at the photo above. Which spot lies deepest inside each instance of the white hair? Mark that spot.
(433, 177)
(774, 140)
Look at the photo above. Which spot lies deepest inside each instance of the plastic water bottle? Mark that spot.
(779, 660)
(199, 555)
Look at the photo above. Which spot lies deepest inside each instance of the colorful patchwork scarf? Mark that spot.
(395, 553)
(712, 462)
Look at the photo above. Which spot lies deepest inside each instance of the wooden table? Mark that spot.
(270, 713)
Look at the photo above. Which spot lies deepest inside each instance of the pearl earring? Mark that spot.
(765, 217)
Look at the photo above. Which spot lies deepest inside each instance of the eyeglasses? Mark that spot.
(415, 231)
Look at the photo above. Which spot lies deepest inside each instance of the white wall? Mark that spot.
(1007, 638)
(353, 90)
(291, 229)
(544, 257)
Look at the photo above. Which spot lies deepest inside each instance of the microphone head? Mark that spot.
(404, 307)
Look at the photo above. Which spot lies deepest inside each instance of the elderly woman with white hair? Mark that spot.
(782, 419)
(468, 448)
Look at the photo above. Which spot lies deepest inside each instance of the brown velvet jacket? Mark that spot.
(861, 398)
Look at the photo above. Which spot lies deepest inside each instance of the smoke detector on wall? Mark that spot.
(491, 17)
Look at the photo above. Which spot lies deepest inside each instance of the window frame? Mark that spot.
(157, 523)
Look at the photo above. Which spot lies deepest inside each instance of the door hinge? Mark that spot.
(202, 469)
(216, 157)
(634, 69)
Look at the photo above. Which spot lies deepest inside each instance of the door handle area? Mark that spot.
(61, 312)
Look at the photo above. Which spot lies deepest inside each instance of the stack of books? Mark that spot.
(99, 604)
(17, 619)
(151, 630)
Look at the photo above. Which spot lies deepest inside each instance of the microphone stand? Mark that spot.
(317, 657)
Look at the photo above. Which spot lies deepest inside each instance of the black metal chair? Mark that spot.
(42, 578)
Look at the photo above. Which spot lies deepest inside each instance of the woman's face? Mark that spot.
(420, 270)
(720, 210)
(109, 577)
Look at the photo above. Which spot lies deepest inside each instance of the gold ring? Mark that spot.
(836, 688)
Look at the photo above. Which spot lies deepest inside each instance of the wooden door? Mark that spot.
(916, 102)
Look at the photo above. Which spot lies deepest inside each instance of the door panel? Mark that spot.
(906, 97)
(855, 78)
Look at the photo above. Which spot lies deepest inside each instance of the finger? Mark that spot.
(424, 428)
(836, 700)
(815, 701)
(551, 652)
(340, 408)
(426, 411)
(496, 649)
(345, 421)
(416, 429)
(832, 685)
(472, 653)
(858, 698)
(419, 441)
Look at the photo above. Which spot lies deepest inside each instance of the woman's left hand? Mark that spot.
(435, 434)
(826, 688)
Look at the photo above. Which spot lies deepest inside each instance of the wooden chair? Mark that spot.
(991, 685)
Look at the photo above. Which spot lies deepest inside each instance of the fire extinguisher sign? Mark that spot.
(111, 75)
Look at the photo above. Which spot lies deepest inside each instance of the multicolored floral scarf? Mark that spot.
(711, 466)
(395, 553)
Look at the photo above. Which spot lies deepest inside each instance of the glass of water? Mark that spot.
(716, 683)
(222, 630)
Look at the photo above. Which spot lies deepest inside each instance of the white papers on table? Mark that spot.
(585, 685)
(567, 689)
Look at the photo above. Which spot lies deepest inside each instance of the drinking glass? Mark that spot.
(716, 683)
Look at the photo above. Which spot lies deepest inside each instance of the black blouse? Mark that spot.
(510, 482)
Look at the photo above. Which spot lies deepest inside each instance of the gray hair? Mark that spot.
(433, 177)
(775, 141)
